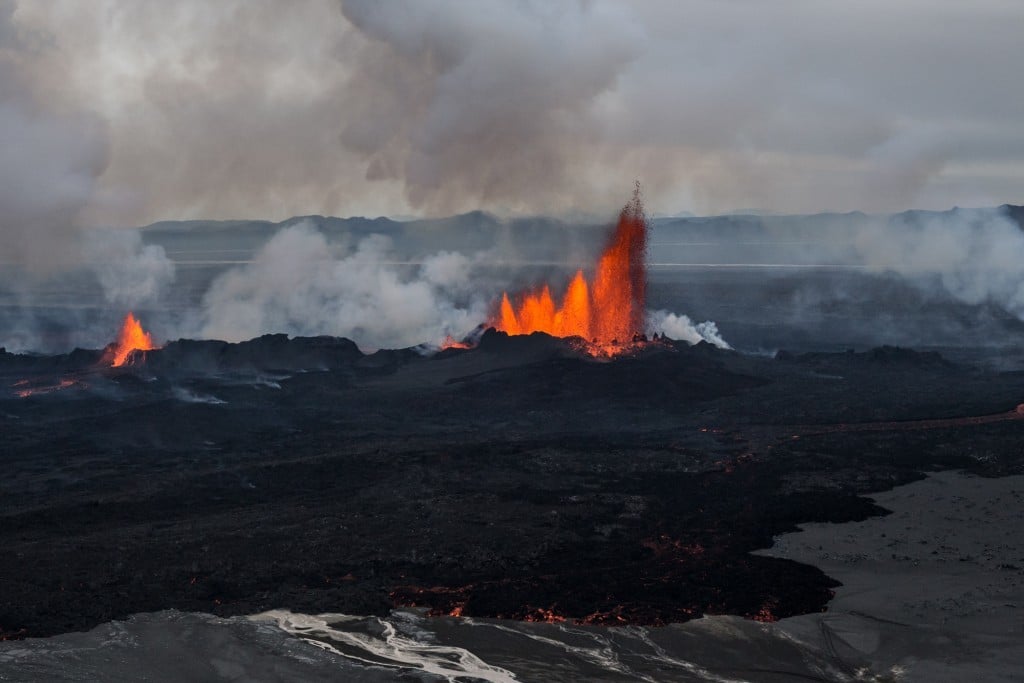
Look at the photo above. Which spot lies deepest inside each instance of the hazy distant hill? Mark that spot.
(754, 238)
(522, 238)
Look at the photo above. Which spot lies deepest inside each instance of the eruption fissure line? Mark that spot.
(608, 309)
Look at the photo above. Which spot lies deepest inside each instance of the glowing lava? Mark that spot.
(131, 338)
(605, 311)
(24, 388)
(450, 343)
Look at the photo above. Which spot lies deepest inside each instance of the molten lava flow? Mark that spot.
(450, 343)
(26, 389)
(544, 616)
(607, 310)
(131, 338)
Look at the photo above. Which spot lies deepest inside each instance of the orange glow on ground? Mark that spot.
(450, 343)
(606, 311)
(26, 389)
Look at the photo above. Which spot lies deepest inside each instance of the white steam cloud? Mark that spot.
(245, 107)
(976, 257)
(680, 327)
(257, 108)
(50, 159)
(298, 285)
(53, 152)
(131, 274)
(492, 102)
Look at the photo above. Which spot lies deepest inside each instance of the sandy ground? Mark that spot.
(932, 592)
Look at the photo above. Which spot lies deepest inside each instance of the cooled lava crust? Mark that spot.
(519, 479)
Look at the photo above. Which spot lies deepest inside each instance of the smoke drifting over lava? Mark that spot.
(248, 108)
(515, 108)
(50, 160)
(303, 283)
(473, 111)
(298, 283)
(52, 154)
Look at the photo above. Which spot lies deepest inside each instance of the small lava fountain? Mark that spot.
(606, 311)
(131, 338)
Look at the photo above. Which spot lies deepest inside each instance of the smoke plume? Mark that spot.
(50, 159)
(52, 155)
(680, 327)
(130, 273)
(298, 285)
(975, 256)
(250, 108)
(487, 107)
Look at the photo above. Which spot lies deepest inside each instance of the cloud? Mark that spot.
(130, 273)
(229, 109)
(785, 106)
(491, 106)
(681, 328)
(248, 108)
(974, 256)
(50, 159)
(297, 284)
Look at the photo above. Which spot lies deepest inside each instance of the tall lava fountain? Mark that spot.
(607, 310)
(131, 338)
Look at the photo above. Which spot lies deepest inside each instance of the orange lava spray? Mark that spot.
(131, 338)
(608, 309)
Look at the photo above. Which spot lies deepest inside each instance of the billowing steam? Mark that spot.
(247, 108)
(682, 328)
(299, 285)
(131, 274)
(51, 158)
(487, 104)
(250, 108)
(977, 256)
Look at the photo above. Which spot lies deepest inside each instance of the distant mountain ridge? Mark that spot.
(482, 219)
(537, 237)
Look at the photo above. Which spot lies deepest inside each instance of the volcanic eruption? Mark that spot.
(131, 338)
(606, 310)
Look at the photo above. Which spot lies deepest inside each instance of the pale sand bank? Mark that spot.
(932, 592)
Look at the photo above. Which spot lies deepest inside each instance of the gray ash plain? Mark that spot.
(519, 479)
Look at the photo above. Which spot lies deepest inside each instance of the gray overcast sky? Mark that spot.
(129, 111)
